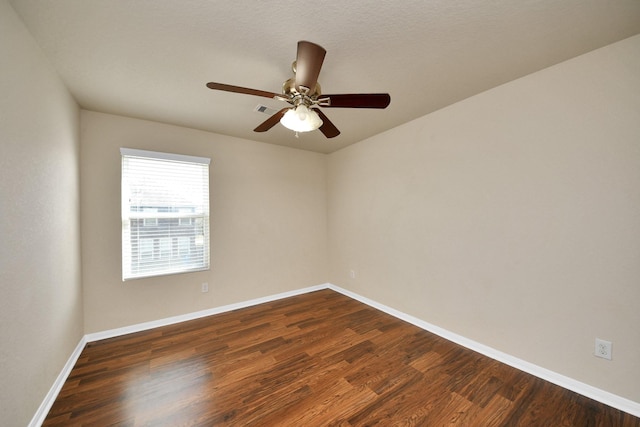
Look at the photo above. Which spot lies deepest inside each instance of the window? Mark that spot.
(165, 213)
(150, 222)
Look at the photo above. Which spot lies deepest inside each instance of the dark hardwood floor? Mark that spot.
(319, 359)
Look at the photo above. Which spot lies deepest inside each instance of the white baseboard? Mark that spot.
(50, 398)
(591, 392)
(196, 315)
(46, 404)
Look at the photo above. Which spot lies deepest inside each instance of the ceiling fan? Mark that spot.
(303, 93)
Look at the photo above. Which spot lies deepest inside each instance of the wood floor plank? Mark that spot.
(318, 359)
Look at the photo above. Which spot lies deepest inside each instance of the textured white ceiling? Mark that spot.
(151, 59)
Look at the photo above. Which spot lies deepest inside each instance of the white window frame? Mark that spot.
(156, 241)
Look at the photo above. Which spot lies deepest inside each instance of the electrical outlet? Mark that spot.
(603, 349)
(205, 287)
(352, 274)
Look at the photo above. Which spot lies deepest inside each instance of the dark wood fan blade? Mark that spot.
(271, 121)
(308, 64)
(362, 100)
(238, 89)
(328, 129)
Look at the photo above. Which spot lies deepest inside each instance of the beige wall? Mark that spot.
(268, 222)
(40, 293)
(511, 218)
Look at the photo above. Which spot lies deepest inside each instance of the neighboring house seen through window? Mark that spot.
(165, 213)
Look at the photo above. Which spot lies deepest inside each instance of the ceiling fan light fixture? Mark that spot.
(302, 93)
(301, 119)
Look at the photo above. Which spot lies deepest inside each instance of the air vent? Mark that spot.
(265, 110)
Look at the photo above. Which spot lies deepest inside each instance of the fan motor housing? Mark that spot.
(289, 89)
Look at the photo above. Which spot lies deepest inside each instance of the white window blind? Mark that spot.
(165, 213)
